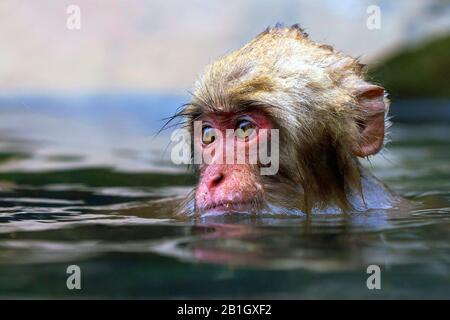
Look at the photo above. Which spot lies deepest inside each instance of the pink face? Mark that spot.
(225, 186)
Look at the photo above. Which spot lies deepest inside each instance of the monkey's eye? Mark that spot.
(244, 129)
(208, 135)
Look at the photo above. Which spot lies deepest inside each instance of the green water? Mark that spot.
(97, 192)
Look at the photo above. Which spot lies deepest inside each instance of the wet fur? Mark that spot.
(308, 90)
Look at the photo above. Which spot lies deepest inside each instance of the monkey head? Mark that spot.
(316, 99)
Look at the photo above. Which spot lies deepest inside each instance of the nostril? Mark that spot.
(215, 180)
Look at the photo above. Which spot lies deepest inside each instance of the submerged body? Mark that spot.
(314, 110)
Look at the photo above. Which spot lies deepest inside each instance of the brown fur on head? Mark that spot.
(317, 97)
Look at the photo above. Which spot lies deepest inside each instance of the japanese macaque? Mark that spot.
(327, 116)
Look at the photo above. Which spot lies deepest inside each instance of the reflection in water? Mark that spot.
(104, 199)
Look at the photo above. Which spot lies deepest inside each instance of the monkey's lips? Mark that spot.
(223, 207)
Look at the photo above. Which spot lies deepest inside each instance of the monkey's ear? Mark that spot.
(372, 103)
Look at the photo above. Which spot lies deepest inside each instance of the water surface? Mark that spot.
(91, 186)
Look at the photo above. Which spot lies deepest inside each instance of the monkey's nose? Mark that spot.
(215, 180)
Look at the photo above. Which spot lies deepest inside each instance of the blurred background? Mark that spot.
(79, 109)
(161, 46)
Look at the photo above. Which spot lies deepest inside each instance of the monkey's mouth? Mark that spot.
(224, 207)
